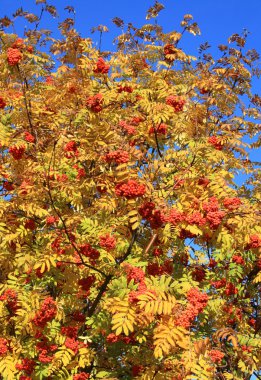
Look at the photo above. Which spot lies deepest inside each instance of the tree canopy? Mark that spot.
(128, 247)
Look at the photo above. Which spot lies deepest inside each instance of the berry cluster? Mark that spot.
(50, 220)
(196, 218)
(56, 245)
(130, 189)
(161, 129)
(88, 251)
(45, 350)
(17, 152)
(154, 269)
(69, 331)
(199, 274)
(101, 67)
(71, 146)
(3, 346)
(46, 313)
(72, 344)
(62, 178)
(231, 203)
(134, 273)
(14, 56)
(238, 259)
(154, 217)
(186, 317)
(230, 289)
(255, 242)
(49, 80)
(130, 129)
(113, 338)
(125, 88)
(136, 120)
(177, 102)
(174, 217)
(10, 297)
(246, 348)
(81, 173)
(215, 141)
(219, 283)
(81, 376)
(95, 102)
(214, 216)
(211, 205)
(71, 149)
(107, 242)
(197, 302)
(119, 156)
(197, 299)
(134, 294)
(27, 366)
(146, 209)
(216, 356)
(2, 103)
(86, 282)
(28, 137)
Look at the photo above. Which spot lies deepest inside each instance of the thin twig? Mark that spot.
(157, 142)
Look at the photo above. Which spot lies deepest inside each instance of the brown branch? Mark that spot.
(157, 142)
(128, 252)
(64, 224)
(110, 277)
(153, 238)
(99, 295)
(27, 107)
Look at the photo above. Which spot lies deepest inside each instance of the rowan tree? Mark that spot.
(128, 248)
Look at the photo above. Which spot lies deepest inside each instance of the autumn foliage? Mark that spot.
(128, 247)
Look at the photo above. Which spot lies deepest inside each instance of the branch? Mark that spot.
(99, 296)
(64, 224)
(109, 277)
(128, 252)
(157, 142)
(28, 112)
(153, 238)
